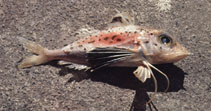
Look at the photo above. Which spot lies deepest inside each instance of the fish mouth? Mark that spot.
(190, 54)
(179, 55)
(185, 52)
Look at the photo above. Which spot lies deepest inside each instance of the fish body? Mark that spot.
(120, 39)
(122, 44)
(140, 44)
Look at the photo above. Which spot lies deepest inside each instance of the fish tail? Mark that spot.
(39, 58)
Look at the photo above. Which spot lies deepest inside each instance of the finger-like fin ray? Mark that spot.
(144, 72)
(155, 83)
(168, 82)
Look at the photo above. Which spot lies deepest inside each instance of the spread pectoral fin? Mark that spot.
(100, 57)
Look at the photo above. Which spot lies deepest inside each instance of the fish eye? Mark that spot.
(165, 39)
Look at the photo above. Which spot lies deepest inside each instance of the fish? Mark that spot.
(120, 44)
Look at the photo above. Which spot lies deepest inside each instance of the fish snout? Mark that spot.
(181, 53)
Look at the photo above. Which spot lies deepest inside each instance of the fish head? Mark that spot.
(159, 47)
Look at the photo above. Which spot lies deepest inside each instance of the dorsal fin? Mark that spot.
(122, 19)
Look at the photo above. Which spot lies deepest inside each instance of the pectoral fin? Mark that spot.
(100, 57)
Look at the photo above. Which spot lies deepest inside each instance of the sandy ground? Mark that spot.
(52, 23)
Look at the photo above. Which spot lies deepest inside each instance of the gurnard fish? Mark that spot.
(120, 44)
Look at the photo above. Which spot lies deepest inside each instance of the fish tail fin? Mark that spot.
(32, 60)
(39, 58)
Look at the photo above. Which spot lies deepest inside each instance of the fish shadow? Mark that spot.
(123, 77)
